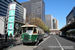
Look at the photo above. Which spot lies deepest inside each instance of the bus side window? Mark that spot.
(35, 31)
(38, 32)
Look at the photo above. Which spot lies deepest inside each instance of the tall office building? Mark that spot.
(54, 23)
(57, 24)
(14, 14)
(35, 8)
(49, 21)
(3, 7)
(71, 16)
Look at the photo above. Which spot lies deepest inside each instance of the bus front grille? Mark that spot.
(25, 37)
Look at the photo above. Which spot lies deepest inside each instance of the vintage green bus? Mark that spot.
(31, 34)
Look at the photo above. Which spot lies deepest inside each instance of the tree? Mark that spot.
(27, 20)
(38, 22)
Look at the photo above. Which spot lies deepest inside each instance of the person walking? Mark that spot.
(10, 35)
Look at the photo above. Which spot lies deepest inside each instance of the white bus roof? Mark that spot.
(28, 26)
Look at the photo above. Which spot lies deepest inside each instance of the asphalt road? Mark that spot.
(56, 43)
(52, 42)
(25, 47)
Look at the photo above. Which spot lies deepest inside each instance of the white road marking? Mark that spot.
(59, 43)
(41, 42)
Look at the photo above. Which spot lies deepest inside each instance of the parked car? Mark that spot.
(45, 35)
(51, 33)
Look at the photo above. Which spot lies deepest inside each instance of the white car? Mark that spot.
(45, 35)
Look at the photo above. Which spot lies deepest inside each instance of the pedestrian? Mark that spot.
(10, 35)
(13, 36)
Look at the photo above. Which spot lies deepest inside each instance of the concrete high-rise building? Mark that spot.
(35, 8)
(49, 21)
(15, 15)
(71, 16)
(57, 24)
(54, 23)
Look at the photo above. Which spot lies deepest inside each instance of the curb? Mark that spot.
(40, 43)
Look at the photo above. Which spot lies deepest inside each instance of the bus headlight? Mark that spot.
(21, 39)
(29, 39)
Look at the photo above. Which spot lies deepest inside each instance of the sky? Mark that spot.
(58, 9)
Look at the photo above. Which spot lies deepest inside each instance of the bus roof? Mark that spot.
(28, 26)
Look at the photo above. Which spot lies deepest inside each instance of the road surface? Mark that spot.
(56, 43)
(52, 42)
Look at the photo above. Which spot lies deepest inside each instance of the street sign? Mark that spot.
(12, 6)
(11, 26)
(11, 12)
(11, 19)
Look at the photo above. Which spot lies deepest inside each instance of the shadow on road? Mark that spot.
(9, 43)
(29, 44)
(32, 44)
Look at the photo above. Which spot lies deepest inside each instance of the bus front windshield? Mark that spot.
(29, 31)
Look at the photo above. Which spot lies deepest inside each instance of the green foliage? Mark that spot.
(38, 22)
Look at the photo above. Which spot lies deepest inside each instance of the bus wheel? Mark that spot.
(42, 39)
(34, 43)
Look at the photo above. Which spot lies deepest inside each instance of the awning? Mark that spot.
(68, 27)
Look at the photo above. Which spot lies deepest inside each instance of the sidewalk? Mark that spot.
(14, 41)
